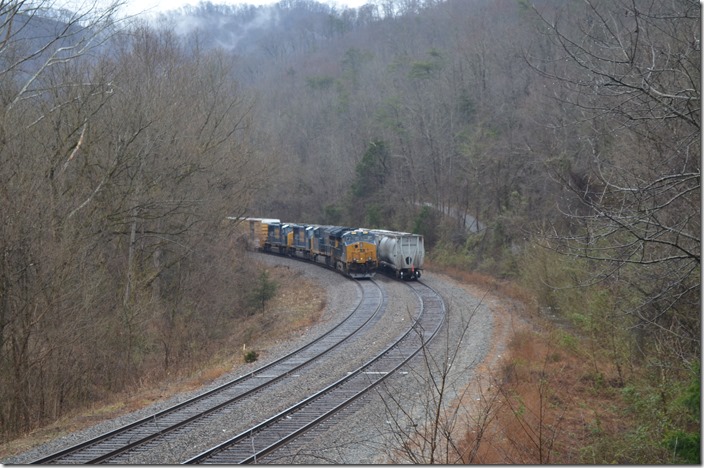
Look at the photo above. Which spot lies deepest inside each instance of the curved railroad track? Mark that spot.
(266, 437)
(120, 443)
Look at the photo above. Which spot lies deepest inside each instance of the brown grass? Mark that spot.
(495, 286)
(545, 403)
(298, 304)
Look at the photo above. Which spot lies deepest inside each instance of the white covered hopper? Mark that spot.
(401, 252)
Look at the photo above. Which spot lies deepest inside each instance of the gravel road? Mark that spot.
(371, 430)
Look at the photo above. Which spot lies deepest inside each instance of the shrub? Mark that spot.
(262, 291)
(250, 356)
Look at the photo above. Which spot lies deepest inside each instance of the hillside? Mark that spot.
(569, 131)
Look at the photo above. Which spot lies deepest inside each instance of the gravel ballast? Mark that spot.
(370, 430)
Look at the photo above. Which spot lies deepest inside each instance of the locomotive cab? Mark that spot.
(360, 253)
(352, 251)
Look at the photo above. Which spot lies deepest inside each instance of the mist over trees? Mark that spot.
(567, 131)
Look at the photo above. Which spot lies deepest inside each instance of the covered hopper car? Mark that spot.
(400, 253)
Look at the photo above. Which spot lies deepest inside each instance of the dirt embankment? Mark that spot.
(542, 396)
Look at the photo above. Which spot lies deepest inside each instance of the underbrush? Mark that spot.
(574, 389)
(296, 304)
(549, 407)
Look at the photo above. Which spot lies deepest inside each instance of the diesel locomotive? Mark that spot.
(351, 251)
(355, 252)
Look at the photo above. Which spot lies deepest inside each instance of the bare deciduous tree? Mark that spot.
(117, 170)
(429, 410)
(630, 74)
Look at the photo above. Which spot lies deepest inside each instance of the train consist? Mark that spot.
(355, 252)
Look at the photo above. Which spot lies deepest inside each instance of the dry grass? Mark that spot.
(497, 287)
(543, 401)
(545, 404)
(299, 303)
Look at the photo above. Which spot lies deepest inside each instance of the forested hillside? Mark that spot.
(552, 143)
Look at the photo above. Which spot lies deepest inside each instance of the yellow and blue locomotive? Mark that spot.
(351, 251)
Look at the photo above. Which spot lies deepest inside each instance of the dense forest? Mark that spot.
(554, 144)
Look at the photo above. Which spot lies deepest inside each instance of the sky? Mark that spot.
(139, 6)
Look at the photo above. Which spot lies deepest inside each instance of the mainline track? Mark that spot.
(266, 437)
(111, 446)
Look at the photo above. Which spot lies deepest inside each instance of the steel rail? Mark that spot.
(266, 437)
(133, 435)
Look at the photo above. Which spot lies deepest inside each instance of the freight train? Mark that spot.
(355, 252)
(348, 250)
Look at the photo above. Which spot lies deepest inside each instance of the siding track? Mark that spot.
(118, 444)
(266, 437)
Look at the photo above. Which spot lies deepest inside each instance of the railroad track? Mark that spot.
(272, 434)
(120, 443)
